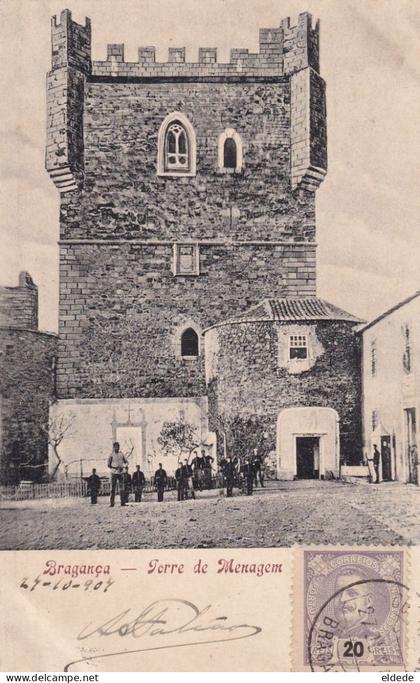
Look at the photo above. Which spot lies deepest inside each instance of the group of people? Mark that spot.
(195, 476)
(189, 477)
(244, 475)
(120, 476)
(118, 464)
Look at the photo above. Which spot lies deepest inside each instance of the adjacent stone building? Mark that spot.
(187, 197)
(286, 375)
(391, 389)
(27, 383)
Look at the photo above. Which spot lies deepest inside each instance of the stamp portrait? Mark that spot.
(353, 605)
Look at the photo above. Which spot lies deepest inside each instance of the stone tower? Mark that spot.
(187, 196)
(27, 369)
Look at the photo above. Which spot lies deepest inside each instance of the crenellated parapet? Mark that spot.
(71, 43)
(300, 44)
(282, 51)
(289, 52)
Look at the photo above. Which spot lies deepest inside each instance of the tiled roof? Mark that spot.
(292, 310)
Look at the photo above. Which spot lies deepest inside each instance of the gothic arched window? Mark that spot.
(230, 157)
(229, 153)
(176, 146)
(189, 342)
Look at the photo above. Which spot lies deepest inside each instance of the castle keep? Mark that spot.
(187, 198)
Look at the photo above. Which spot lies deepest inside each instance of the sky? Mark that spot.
(368, 207)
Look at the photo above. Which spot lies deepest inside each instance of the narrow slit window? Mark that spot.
(189, 343)
(230, 154)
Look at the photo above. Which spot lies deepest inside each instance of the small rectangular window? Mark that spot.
(374, 419)
(186, 259)
(407, 350)
(298, 346)
(373, 358)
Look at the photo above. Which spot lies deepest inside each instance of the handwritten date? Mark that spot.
(63, 584)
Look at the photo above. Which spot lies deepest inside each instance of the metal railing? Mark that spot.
(73, 489)
(78, 489)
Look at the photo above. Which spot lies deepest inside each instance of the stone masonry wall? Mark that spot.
(123, 197)
(121, 310)
(309, 132)
(120, 304)
(247, 386)
(27, 361)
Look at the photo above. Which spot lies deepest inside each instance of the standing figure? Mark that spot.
(160, 481)
(116, 462)
(199, 471)
(186, 474)
(138, 482)
(248, 473)
(229, 472)
(237, 465)
(208, 463)
(257, 462)
(126, 484)
(179, 482)
(376, 461)
(93, 487)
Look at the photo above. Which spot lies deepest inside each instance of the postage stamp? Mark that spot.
(352, 616)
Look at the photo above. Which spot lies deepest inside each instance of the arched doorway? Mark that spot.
(308, 443)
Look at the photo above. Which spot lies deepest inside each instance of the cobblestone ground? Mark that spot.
(282, 514)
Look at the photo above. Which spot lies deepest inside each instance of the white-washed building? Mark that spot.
(391, 389)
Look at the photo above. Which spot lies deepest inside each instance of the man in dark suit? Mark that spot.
(229, 472)
(138, 482)
(93, 487)
(160, 481)
(209, 461)
(248, 473)
(187, 473)
(126, 484)
(257, 462)
(376, 461)
(199, 470)
(179, 482)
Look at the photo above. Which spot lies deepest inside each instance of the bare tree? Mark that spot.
(130, 449)
(27, 469)
(56, 429)
(240, 436)
(179, 437)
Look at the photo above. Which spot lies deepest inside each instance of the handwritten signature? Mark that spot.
(166, 618)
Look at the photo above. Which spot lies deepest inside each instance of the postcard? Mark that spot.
(209, 336)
